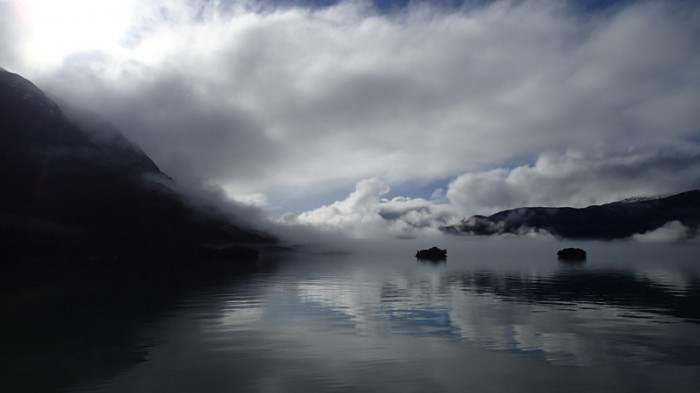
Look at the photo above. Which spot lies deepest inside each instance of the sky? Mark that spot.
(391, 115)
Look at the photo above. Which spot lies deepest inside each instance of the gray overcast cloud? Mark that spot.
(518, 102)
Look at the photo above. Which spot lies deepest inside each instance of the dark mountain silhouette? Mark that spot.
(74, 191)
(615, 220)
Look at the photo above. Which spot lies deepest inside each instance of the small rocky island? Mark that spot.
(432, 254)
(571, 254)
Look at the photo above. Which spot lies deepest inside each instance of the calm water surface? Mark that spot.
(498, 316)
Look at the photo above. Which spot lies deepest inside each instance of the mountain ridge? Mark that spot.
(615, 220)
(77, 190)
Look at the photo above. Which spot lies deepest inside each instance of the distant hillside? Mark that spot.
(68, 190)
(610, 221)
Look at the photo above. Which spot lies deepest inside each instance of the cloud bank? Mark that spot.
(517, 102)
(365, 213)
(571, 179)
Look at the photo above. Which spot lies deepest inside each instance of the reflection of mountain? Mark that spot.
(79, 190)
(617, 288)
(611, 221)
(61, 330)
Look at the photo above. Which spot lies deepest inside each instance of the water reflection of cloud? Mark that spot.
(674, 280)
(559, 347)
(427, 305)
(240, 318)
(356, 297)
(559, 316)
(497, 324)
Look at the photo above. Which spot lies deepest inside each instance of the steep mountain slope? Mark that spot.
(611, 221)
(75, 191)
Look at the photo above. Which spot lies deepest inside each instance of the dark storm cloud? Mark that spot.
(191, 131)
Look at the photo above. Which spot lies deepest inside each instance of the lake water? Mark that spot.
(498, 316)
